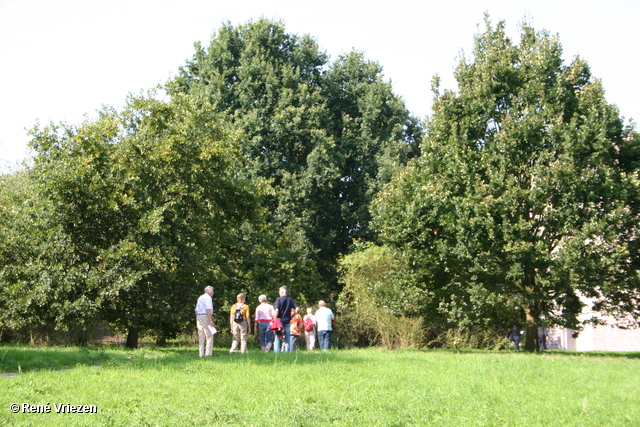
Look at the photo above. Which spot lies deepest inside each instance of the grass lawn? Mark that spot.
(174, 387)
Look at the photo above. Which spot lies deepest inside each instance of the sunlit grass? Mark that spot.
(153, 386)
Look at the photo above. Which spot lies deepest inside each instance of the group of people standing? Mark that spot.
(279, 326)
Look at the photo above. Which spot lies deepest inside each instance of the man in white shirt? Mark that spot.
(324, 325)
(204, 311)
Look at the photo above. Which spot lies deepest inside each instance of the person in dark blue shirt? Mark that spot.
(514, 335)
(284, 305)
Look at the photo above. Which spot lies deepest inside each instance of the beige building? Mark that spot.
(593, 338)
(603, 338)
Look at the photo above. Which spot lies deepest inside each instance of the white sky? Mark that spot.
(62, 59)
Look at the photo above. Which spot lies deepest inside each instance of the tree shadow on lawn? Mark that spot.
(593, 354)
(21, 359)
(15, 359)
(543, 353)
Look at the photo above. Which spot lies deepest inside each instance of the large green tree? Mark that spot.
(526, 194)
(27, 249)
(324, 135)
(151, 204)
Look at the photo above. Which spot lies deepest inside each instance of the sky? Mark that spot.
(60, 61)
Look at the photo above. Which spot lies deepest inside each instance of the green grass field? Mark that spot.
(173, 387)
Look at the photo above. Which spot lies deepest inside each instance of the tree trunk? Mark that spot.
(82, 337)
(532, 312)
(531, 343)
(161, 341)
(132, 337)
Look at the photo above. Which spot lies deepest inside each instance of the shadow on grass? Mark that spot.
(543, 353)
(595, 354)
(21, 358)
(16, 359)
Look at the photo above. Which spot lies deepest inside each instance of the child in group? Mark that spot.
(295, 328)
(309, 323)
(278, 331)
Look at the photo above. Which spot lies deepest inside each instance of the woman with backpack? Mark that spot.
(310, 329)
(240, 324)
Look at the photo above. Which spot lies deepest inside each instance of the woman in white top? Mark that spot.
(309, 324)
(264, 317)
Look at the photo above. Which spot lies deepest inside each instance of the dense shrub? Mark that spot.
(377, 305)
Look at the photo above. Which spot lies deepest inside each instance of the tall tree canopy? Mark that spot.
(526, 192)
(148, 206)
(323, 134)
(257, 171)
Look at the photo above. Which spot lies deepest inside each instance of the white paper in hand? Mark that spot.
(213, 329)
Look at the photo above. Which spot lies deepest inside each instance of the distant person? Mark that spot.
(309, 323)
(514, 335)
(282, 311)
(324, 323)
(204, 322)
(295, 328)
(542, 337)
(263, 319)
(240, 320)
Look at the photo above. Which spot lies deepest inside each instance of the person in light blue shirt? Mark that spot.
(204, 322)
(324, 324)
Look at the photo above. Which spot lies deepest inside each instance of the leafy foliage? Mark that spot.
(526, 193)
(324, 138)
(378, 304)
(257, 173)
(148, 204)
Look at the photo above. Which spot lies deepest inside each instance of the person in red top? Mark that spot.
(295, 328)
(309, 322)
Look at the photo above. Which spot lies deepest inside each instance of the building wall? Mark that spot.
(599, 338)
(608, 338)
